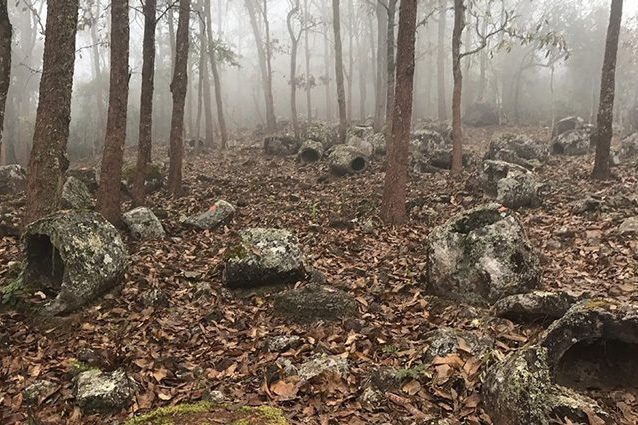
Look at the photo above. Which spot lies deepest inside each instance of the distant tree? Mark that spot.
(604, 130)
(390, 61)
(178, 89)
(204, 97)
(381, 75)
(145, 137)
(108, 195)
(395, 187)
(99, 92)
(47, 162)
(341, 92)
(216, 75)
(440, 62)
(5, 62)
(295, 36)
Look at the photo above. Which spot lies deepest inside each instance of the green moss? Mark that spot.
(265, 415)
(237, 252)
(163, 415)
(79, 367)
(12, 292)
(414, 372)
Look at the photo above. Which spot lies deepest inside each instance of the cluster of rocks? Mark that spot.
(571, 136)
(431, 151)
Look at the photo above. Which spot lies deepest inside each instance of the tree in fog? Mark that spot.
(295, 36)
(210, 48)
(5, 62)
(395, 188)
(108, 195)
(440, 62)
(341, 92)
(47, 162)
(178, 89)
(604, 124)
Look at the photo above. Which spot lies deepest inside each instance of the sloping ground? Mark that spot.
(197, 344)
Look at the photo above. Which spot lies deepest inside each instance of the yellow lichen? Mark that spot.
(163, 415)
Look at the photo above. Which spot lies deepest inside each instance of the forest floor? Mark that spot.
(183, 351)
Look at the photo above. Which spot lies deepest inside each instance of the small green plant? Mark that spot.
(314, 210)
(414, 372)
(12, 292)
(390, 349)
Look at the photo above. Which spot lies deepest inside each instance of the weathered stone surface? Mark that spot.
(518, 149)
(430, 152)
(573, 142)
(567, 124)
(88, 176)
(592, 346)
(442, 127)
(346, 160)
(281, 145)
(75, 195)
(143, 224)
(445, 341)
(377, 383)
(481, 114)
(264, 257)
(315, 302)
(73, 255)
(586, 205)
(310, 151)
(319, 365)
(629, 147)
(282, 343)
(323, 133)
(35, 393)
(513, 185)
(361, 145)
(97, 391)
(220, 213)
(481, 256)
(629, 226)
(153, 177)
(13, 179)
(361, 131)
(377, 140)
(536, 306)
(426, 140)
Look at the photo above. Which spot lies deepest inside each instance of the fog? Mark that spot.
(546, 65)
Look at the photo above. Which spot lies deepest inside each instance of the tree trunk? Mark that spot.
(457, 130)
(48, 163)
(396, 178)
(362, 63)
(205, 76)
(145, 137)
(270, 102)
(5, 63)
(307, 58)
(294, 41)
(326, 55)
(171, 34)
(350, 60)
(108, 196)
(392, 7)
(223, 133)
(179, 86)
(604, 124)
(99, 92)
(381, 80)
(440, 62)
(341, 94)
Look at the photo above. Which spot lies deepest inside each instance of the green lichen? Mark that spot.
(79, 367)
(414, 372)
(165, 415)
(262, 415)
(237, 252)
(12, 292)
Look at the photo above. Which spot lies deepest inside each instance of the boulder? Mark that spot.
(567, 124)
(430, 152)
(629, 147)
(310, 151)
(442, 127)
(536, 306)
(513, 185)
(426, 140)
(88, 176)
(315, 302)
(101, 392)
(572, 142)
(362, 145)
(592, 346)
(72, 256)
(481, 256)
(518, 149)
(13, 179)
(360, 131)
(481, 114)
(143, 224)
(281, 145)
(282, 343)
(220, 213)
(377, 140)
(40, 390)
(264, 257)
(322, 133)
(347, 160)
(75, 195)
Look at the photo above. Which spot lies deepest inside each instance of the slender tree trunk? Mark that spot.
(307, 59)
(341, 93)
(179, 86)
(328, 92)
(361, 65)
(270, 102)
(381, 80)
(99, 92)
(205, 76)
(223, 133)
(440, 62)
(457, 130)
(171, 35)
(294, 41)
(552, 96)
(392, 7)
(396, 178)
(6, 32)
(604, 130)
(350, 60)
(108, 196)
(145, 140)
(48, 163)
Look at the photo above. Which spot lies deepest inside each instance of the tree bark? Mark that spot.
(205, 76)
(457, 129)
(47, 162)
(99, 92)
(341, 93)
(604, 124)
(440, 63)
(396, 178)
(392, 7)
(223, 133)
(307, 59)
(381, 80)
(294, 41)
(6, 32)
(350, 60)
(108, 196)
(145, 137)
(179, 86)
(326, 55)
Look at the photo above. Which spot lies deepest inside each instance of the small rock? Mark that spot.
(202, 290)
(315, 302)
(97, 391)
(629, 226)
(536, 306)
(283, 343)
(445, 341)
(13, 179)
(155, 298)
(75, 195)
(319, 365)
(589, 204)
(37, 392)
(220, 213)
(143, 224)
